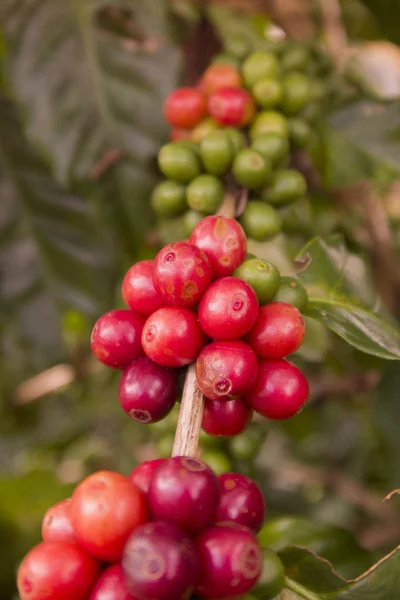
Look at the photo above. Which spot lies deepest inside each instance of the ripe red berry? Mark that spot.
(232, 106)
(57, 525)
(228, 309)
(106, 507)
(227, 418)
(281, 390)
(226, 370)
(219, 76)
(172, 337)
(279, 330)
(116, 338)
(111, 586)
(138, 289)
(185, 107)
(184, 491)
(147, 391)
(160, 561)
(223, 241)
(143, 473)
(181, 275)
(57, 571)
(241, 502)
(231, 561)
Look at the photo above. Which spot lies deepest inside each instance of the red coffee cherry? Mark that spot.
(281, 390)
(111, 586)
(232, 106)
(227, 418)
(106, 507)
(184, 491)
(143, 473)
(181, 275)
(116, 338)
(57, 571)
(223, 241)
(231, 561)
(147, 391)
(138, 289)
(226, 370)
(228, 309)
(241, 502)
(185, 108)
(57, 525)
(219, 76)
(160, 561)
(279, 330)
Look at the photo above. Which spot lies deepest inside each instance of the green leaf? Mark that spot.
(342, 295)
(387, 14)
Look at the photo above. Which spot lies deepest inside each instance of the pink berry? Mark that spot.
(182, 273)
(232, 106)
(185, 107)
(281, 390)
(184, 491)
(228, 309)
(111, 586)
(116, 338)
(138, 289)
(241, 502)
(57, 525)
(227, 418)
(172, 337)
(231, 561)
(223, 241)
(278, 331)
(226, 370)
(160, 561)
(143, 473)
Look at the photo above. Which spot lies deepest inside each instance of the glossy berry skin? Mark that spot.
(57, 525)
(168, 199)
(138, 289)
(251, 169)
(179, 162)
(261, 221)
(143, 473)
(217, 152)
(258, 65)
(116, 338)
(147, 391)
(278, 331)
(226, 370)
(228, 309)
(172, 337)
(219, 76)
(232, 106)
(223, 241)
(227, 418)
(181, 274)
(231, 561)
(269, 121)
(111, 586)
(241, 502)
(281, 390)
(57, 571)
(287, 186)
(160, 561)
(185, 108)
(292, 292)
(263, 277)
(184, 491)
(106, 507)
(205, 194)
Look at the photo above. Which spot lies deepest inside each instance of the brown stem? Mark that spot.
(333, 29)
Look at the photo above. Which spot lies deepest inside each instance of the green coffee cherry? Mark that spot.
(217, 152)
(189, 144)
(218, 461)
(205, 194)
(288, 185)
(178, 162)
(237, 46)
(268, 92)
(236, 137)
(272, 146)
(272, 579)
(261, 221)
(292, 292)
(226, 58)
(245, 446)
(250, 169)
(263, 277)
(169, 199)
(258, 65)
(299, 132)
(191, 219)
(210, 441)
(204, 128)
(296, 58)
(297, 91)
(269, 121)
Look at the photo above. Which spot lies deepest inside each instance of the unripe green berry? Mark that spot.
(245, 446)
(179, 162)
(272, 146)
(288, 185)
(269, 121)
(258, 65)
(299, 132)
(268, 92)
(169, 199)
(204, 128)
(189, 144)
(263, 277)
(205, 194)
(272, 579)
(261, 221)
(237, 139)
(250, 169)
(296, 58)
(238, 46)
(217, 152)
(292, 292)
(296, 93)
(191, 219)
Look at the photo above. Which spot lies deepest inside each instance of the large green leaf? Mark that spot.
(342, 295)
(387, 14)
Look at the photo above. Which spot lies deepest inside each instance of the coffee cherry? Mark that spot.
(241, 501)
(115, 339)
(259, 65)
(179, 162)
(185, 107)
(272, 579)
(245, 446)
(261, 221)
(236, 137)
(238, 46)
(181, 274)
(138, 289)
(295, 58)
(106, 507)
(297, 92)
(278, 332)
(225, 370)
(269, 121)
(203, 129)
(251, 169)
(172, 337)
(218, 461)
(57, 525)
(205, 194)
(111, 586)
(300, 132)
(219, 76)
(287, 186)
(281, 390)
(57, 570)
(143, 473)
(147, 392)
(224, 242)
(169, 199)
(268, 92)
(160, 561)
(272, 147)
(263, 277)
(217, 152)
(232, 106)
(227, 418)
(228, 309)
(184, 491)
(231, 561)
(191, 219)
(292, 292)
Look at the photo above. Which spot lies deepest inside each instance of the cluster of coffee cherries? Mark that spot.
(202, 301)
(172, 530)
